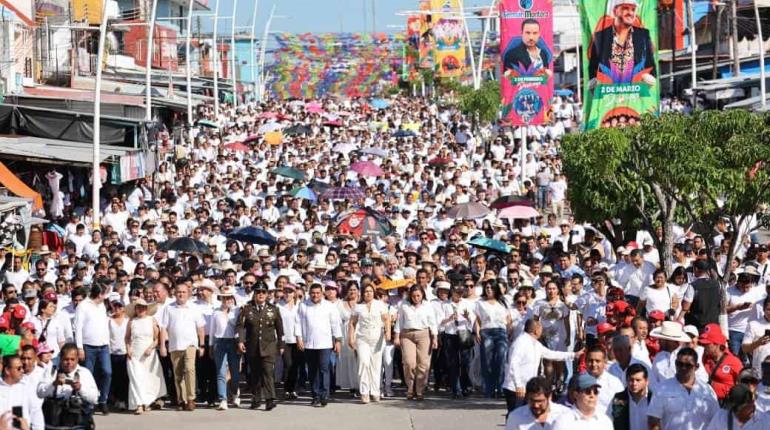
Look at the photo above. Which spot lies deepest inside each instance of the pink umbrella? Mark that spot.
(268, 115)
(314, 108)
(518, 212)
(366, 168)
(251, 138)
(237, 146)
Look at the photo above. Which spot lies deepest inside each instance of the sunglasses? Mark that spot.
(590, 391)
(521, 303)
(684, 365)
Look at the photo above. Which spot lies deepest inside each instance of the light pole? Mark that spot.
(96, 181)
(232, 49)
(188, 69)
(762, 89)
(694, 50)
(148, 60)
(252, 50)
(484, 40)
(476, 83)
(215, 54)
(262, 51)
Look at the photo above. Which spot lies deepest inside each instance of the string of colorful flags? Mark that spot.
(355, 65)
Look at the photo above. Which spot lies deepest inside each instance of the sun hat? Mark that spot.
(670, 330)
(131, 308)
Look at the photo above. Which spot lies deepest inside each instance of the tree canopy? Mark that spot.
(694, 170)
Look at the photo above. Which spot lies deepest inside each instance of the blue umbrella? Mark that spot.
(490, 244)
(304, 193)
(563, 93)
(404, 133)
(252, 235)
(379, 152)
(379, 104)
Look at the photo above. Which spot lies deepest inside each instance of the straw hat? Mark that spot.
(131, 308)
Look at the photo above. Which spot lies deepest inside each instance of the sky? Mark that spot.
(315, 16)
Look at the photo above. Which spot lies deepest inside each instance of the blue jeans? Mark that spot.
(226, 356)
(494, 347)
(98, 362)
(319, 365)
(542, 197)
(735, 342)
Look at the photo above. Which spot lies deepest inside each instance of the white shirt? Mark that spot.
(491, 315)
(575, 420)
(14, 395)
(524, 361)
(55, 331)
(460, 308)
(760, 421)
(289, 318)
(30, 381)
(416, 317)
(657, 299)
(521, 418)
(633, 280)
(739, 320)
(118, 336)
(609, 386)
(223, 324)
(88, 390)
(755, 331)
(637, 413)
(182, 323)
(679, 409)
(91, 324)
(318, 324)
(618, 372)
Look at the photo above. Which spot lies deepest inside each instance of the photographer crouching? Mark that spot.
(69, 393)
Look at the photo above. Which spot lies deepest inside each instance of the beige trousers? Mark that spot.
(415, 353)
(183, 363)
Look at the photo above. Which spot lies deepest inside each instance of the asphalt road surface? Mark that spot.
(436, 412)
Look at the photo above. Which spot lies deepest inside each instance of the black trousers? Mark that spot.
(457, 361)
(119, 385)
(293, 361)
(262, 377)
(206, 376)
(168, 376)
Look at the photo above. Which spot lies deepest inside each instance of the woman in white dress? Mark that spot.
(347, 369)
(368, 330)
(144, 370)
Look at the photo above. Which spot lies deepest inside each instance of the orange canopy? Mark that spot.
(19, 188)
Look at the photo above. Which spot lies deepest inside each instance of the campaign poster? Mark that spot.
(526, 43)
(427, 43)
(620, 63)
(449, 36)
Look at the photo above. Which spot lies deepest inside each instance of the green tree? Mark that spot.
(695, 170)
(483, 104)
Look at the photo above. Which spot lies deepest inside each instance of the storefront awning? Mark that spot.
(53, 150)
(19, 188)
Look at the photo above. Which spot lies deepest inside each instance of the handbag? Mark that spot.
(466, 338)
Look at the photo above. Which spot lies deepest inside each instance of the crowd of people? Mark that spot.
(439, 295)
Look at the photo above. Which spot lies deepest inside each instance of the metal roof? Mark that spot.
(55, 150)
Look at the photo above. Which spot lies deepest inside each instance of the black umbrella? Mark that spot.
(297, 130)
(254, 235)
(185, 244)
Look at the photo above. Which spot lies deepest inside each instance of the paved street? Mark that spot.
(433, 413)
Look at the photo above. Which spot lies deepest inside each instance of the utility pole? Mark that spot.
(717, 38)
(148, 60)
(96, 178)
(215, 54)
(252, 51)
(762, 75)
(693, 52)
(232, 48)
(374, 16)
(188, 69)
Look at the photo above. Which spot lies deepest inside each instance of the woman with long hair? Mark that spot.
(493, 322)
(416, 334)
(346, 371)
(553, 315)
(368, 331)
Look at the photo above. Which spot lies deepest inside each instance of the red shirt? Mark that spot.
(725, 376)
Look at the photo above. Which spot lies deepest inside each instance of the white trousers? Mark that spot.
(387, 363)
(369, 354)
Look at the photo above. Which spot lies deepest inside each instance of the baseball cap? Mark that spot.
(50, 296)
(712, 334)
(656, 315)
(604, 328)
(691, 330)
(585, 381)
(30, 294)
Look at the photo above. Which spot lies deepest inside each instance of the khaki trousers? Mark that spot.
(415, 353)
(183, 363)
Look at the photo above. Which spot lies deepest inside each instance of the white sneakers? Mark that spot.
(222, 405)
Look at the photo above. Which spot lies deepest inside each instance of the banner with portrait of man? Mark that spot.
(526, 44)
(620, 63)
